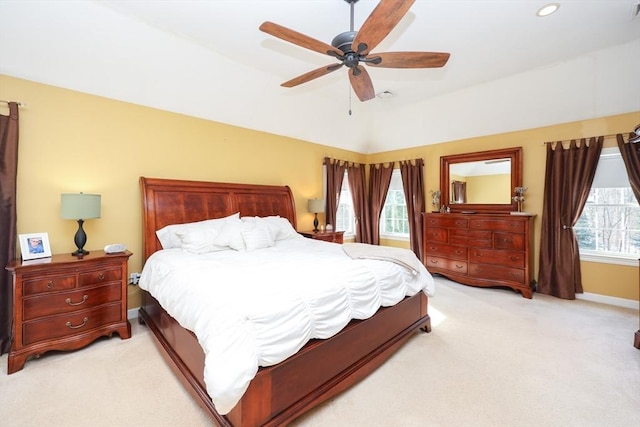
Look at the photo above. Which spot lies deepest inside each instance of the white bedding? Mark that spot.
(264, 305)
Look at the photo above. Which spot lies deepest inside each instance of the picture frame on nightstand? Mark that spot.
(34, 246)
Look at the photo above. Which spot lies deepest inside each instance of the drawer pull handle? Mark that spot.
(458, 252)
(515, 258)
(101, 276)
(459, 266)
(516, 275)
(84, 298)
(84, 322)
(514, 225)
(508, 241)
(50, 284)
(433, 261)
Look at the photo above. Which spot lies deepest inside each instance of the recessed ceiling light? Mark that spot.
(548, 9)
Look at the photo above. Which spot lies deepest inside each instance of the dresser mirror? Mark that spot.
(481, 182)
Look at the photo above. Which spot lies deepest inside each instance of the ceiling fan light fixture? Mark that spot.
(548, 9)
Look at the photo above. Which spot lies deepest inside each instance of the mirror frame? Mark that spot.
(514, 154)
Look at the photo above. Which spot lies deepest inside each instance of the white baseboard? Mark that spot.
(605, 299)
(132, 313)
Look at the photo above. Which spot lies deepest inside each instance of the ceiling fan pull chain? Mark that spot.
(350, 97)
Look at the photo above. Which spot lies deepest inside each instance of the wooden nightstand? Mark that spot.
(327, 236)
(65, 303)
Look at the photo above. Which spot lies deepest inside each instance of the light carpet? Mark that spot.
(493, 359)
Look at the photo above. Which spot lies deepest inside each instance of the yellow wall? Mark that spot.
(72, 142)
(489, 189)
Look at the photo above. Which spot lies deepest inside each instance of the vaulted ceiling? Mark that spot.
(509, 69)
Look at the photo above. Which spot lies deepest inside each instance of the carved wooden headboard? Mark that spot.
(170, 201)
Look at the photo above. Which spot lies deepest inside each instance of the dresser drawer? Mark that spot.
(437, 235)
(475, 239)
(456, 252)
(446, 222)
(508, 241)
(450, 265)
(70, 324)
(497, 225)
(67, 302)
(496, 272)
(48, 284)
(100, 276)
(492, 256)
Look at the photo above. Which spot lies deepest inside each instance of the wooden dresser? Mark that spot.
(481, 249)
(65, 303)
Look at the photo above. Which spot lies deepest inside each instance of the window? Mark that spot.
(609, 228)
(345, 216)
(394, 220)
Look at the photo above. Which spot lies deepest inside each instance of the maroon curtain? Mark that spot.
(335, 176)
(379, 181)
(355, 174)
(8, 233)
(568, 178)
(631, 156)
(459, 191)
(413, 185)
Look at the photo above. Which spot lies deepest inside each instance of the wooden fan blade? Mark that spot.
(379, 24)
(297, 38)
(361, 84)
(409, 59)
(311, 75)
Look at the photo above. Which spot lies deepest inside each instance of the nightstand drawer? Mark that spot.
(63, 325)
(100, 276)
(48, 284)
(66, 302)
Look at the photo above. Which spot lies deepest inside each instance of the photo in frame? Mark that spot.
(34, 245)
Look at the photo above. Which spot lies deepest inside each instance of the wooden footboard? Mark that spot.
(322, 369)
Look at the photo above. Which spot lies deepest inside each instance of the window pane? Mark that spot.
(394, 219)
(345, 216)
(610, 222)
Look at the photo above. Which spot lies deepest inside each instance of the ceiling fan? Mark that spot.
(353, 48)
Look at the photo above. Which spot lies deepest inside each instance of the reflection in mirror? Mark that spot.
(484, 182)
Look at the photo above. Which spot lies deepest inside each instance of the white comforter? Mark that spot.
(256, 308)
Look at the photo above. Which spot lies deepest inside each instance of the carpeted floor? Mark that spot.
(493, 359)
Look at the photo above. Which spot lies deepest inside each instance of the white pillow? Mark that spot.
(231, 235)
(200, 241)
(256, 235)
(284, 227)
(168, 235)
(280, 228)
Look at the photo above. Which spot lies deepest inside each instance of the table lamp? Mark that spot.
(316, 206)
(80, 206)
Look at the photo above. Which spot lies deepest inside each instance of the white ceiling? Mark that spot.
(509, 70)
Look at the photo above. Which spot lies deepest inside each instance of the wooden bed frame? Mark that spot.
(321, 369)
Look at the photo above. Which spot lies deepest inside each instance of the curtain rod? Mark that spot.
(613, 135)
(20, 103)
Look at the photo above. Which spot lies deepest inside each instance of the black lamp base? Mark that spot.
(80, 239)
(315, 223)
